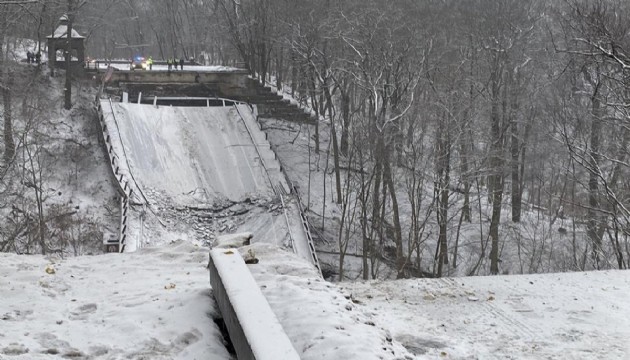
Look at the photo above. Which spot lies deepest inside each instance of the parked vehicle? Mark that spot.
(139, 62)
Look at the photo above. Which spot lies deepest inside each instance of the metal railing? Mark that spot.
(292, 190)
(123, 188)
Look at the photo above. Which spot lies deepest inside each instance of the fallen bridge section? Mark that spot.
(192, 154)
(194, 157)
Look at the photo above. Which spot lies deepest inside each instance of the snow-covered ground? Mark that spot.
(321, 320)
(151, 304)
(156, 304)
(551, 316)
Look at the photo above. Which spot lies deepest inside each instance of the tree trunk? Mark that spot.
(378, 153)
(9, 144)
(333, 132)
(443, 161)
(593, 179)
(515, 148)
(376, 229)
(294, 73)
(400, 258)
(366, 249)
(496, 168)
(467, 138)
(68, 86)
(313, 88)
(280, 69)
(345, 117)
(7, 82)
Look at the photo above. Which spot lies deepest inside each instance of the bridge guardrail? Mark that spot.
(307, 229)
(292, 189)
(123, 187)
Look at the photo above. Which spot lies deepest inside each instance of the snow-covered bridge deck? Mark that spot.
(182, 150)
(206, 155)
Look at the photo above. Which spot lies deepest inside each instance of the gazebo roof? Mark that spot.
(62, 31)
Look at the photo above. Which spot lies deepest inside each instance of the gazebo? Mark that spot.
(58, 43)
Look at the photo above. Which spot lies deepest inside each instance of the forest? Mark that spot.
(464, 137)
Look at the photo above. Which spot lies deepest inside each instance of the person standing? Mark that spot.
(168, 63)
(150, 63)
(181, 63)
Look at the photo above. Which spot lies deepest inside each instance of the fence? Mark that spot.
(291, 189)
(125, 191)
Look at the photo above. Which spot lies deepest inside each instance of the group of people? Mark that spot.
(172, 63)
(33, 58)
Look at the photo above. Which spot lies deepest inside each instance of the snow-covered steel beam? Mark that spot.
(254, 329)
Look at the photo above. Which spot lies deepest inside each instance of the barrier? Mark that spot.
(254, 329)
(291, 190)
(307, 230)
(125, 191)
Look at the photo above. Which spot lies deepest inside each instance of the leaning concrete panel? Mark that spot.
(254, 329)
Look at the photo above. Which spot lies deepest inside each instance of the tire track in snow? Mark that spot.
(490, 308)
(517, 327)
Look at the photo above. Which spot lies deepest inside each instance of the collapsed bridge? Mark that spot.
(193, 142)
(164, 138)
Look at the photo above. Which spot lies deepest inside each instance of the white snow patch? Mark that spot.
(318, 318)
(62, 32)
(152, 304)
(551, 316)
(233, 240)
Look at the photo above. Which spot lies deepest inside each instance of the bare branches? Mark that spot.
(620, 59)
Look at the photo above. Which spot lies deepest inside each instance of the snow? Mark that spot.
(62, 32)
(233, 240)
(156, 303)
(151, 304)
(190, 156)
(102, 65)
(320, 320)
(206, 149)
(262, 330)
(551, 316)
